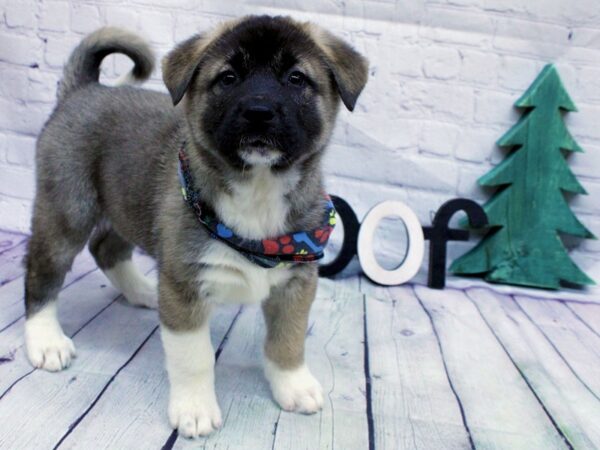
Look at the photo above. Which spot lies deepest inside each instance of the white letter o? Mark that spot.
(416, 244)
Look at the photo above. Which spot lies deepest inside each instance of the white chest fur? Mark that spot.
(256, 209)
(230, 278)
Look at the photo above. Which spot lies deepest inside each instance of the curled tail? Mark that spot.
(83, 66)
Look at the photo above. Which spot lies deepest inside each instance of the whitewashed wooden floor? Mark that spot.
(402, 368)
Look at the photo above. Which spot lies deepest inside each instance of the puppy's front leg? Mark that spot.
(190, 360)
(286, 314)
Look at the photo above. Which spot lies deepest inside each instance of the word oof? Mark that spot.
(358, 240)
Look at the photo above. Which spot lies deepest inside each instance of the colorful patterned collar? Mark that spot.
(292, 248)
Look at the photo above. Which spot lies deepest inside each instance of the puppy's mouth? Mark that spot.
(259, 151)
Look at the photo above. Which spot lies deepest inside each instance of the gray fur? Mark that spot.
(83, 66)
(108, 247)
(286, 315)
(107, 167)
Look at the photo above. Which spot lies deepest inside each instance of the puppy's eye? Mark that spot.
(227, 78)
(297, 78)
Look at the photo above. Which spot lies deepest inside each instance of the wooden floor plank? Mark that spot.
(11, 302)
(141, 392)
(11, 263)
(588, 314)
(335, 354)
(10, 240)
(412, 401)
(500, 410)
(522, 373)
(577, 345)
(77, 305)
(574, 410)
(52, 402)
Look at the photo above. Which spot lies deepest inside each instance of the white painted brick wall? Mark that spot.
(444, 76)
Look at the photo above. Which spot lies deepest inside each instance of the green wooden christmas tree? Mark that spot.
(528, 211)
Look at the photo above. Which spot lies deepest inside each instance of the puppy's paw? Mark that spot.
(146, 295)
(138, 289)
(47, 346)
(295, 390)
(51, 355)
(194, 415)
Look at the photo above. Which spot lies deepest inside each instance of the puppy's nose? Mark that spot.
(258, 113)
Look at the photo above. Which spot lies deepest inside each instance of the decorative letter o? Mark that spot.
(347, 216)
(416, 244)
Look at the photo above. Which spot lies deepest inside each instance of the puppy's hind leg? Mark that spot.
(54, 243)
(113, 255)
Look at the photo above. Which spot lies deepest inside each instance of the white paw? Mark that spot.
(295, 390)
(50, 354)
(194, 415)
(47, 346)
(147, 297)
(136, 287)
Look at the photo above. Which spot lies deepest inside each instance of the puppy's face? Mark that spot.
(264, 90)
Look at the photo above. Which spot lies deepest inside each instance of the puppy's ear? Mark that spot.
(349, 68)
(180, 64)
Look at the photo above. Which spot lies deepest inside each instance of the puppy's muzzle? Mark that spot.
(259, 118)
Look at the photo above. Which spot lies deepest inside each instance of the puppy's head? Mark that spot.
(264, 90)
